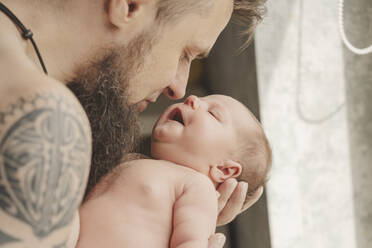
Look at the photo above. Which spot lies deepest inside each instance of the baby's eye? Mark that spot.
(212, 114)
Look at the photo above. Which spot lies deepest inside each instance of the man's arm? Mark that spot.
(194, 214)
(45, 152)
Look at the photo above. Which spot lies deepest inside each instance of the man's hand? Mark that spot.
(231, 200)
(217, 240)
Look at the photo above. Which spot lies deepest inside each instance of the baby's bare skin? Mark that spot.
(170, 201)
(154, 203)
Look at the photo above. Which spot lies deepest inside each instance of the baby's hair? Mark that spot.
(255, 156)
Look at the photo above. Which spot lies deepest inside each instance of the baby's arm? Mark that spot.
(194, 214)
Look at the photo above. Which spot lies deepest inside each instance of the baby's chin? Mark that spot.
(166, 133)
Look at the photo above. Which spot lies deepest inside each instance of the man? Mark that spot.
(116, 56)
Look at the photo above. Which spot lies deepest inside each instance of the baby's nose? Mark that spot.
(192, 101)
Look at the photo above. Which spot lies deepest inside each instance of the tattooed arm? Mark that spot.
(45, 152)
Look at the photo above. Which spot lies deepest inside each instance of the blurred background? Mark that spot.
(314, 99)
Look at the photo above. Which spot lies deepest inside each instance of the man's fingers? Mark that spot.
(216, 241)
(226, 189)
(234, 204)
(253, 199)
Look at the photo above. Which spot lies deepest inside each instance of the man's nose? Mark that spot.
(176, 90)
(192, 101)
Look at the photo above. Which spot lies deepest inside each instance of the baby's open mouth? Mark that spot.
(176, 115)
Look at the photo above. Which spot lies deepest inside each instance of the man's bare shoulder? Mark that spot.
(45, 152)
(13, 86)
(20, 95)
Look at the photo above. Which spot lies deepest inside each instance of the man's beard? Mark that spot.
(102, 89)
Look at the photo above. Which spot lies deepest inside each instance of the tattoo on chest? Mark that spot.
(44, 162)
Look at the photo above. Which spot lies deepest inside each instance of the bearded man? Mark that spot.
(104, 61)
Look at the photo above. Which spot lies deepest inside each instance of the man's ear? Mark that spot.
(121, 12)
(229, 169)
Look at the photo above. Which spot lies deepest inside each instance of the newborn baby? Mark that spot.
(171, 200)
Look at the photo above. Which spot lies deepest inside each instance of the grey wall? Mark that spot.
(358, 80)
(315, 101)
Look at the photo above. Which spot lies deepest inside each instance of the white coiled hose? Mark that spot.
(360, 51)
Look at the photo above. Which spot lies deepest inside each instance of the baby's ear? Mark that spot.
(228, 169)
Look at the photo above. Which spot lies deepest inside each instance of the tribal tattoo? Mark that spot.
(45, 154)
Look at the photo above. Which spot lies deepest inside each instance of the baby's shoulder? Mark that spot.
(149, 170)
(152, 179)
(158, 179)
(171, 172)
(159, 172)
(156, 166)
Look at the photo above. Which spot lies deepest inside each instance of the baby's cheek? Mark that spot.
(166, 133)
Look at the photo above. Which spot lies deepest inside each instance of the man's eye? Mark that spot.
(200, 56)
(185, 56)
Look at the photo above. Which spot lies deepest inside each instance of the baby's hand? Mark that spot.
(231, 200)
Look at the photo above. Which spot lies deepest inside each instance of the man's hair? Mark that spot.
(255, 157)
(247, 13)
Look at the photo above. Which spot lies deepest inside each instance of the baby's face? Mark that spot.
(200, 132)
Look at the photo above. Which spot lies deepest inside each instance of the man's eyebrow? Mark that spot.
(204, 55)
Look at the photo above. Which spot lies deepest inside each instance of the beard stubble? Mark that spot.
(102, 89)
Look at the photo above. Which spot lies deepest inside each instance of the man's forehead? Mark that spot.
(206, 29)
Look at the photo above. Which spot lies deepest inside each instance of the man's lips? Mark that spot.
(142, 105)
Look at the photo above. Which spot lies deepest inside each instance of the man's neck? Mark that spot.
(58, 38)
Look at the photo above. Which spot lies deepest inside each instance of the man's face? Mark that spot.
(201, 131)
(166, 66)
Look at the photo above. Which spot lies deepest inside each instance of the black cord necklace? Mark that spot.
(26, 33)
